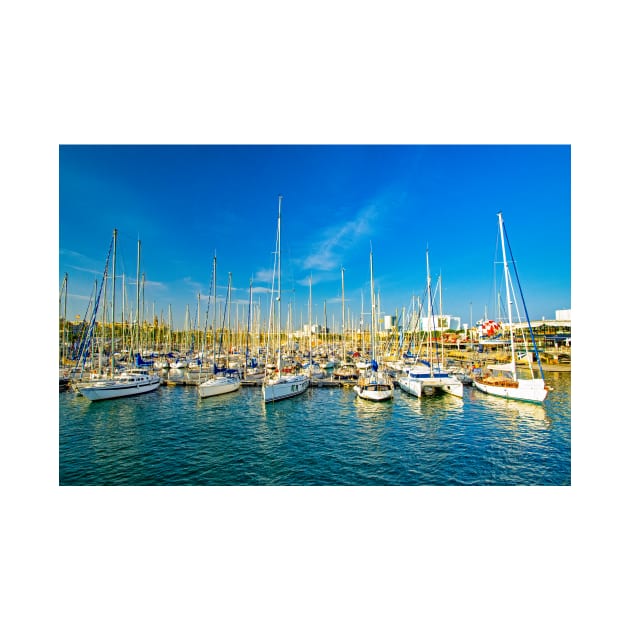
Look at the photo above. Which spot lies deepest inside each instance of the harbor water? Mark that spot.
(322, 437)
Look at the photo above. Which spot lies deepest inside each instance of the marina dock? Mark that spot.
(320, 383)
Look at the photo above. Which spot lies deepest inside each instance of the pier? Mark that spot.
(462, 359)
(193, 380)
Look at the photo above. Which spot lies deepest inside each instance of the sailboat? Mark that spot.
(218, 383)
(312, 369)
(131, 382)
(346, 370)
(502, 379)
(279, 385)
(374, 384)
(428, 376)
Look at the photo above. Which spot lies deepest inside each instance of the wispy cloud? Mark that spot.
(98, 272)
(77, 296)
(331, 247)
(80, 262)
(194, 285)
(70, 253)
(335, 300)
(329, 250)
(154, 284)
(319, 277)
(257, 290)
(148, 284)
(264, 276)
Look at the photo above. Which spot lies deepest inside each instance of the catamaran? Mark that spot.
(429, 376)
(502, 379)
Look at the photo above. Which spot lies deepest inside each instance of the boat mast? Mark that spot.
(89, 338)
(169, 338)
(198, 331)
(101, 352)
(122, 315)
(249, 327)
(326, 330)
(529, 323)
(310, 323)
(228, 325)
(113, 299)
(258, 321)
(279, 292)
(145, 337)
(441, 324)
(65, 318)
(214, 313)
(343, 318)
(470, 331)
(372, 327)
(137, 346)
(64, 289)
(508, 293)
(186, 330)
(361, 327)
(430, 314)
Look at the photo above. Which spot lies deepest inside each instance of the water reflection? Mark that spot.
(441, 404)
(511, 410)
(322, 437)
(106, 441)
(375, 411)
(213, 406)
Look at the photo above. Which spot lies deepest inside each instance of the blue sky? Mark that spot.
(187, 202)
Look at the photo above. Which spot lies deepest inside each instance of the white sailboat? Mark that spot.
(346, 370)
(128, 383)
(218, 383)
(374, 384)
(429, 377)
(312, 369)
(278, 386)
(502, 379)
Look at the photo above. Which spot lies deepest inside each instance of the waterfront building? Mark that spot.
(441, 323)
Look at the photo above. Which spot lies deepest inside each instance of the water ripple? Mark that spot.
(324, 437)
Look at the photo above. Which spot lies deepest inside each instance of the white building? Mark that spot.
(389, 322)
(442, 323)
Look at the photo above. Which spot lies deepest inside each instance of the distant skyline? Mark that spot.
(186, 203)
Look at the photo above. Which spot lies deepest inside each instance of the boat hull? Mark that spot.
(530, 390)
(345, 373)
(111, 389)
(284, 387)
(422, 386)
(313, 371)
(375, 393)
(377, 387)
(178, 365)
(218, 386)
